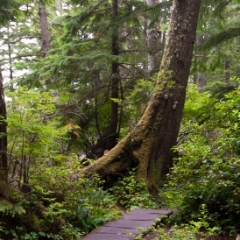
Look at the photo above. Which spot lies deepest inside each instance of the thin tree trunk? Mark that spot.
(10, 54)
(3, 133)
(154, 41)
(201, 77)
(227, 72)
(145, 43)
(109, 138)
(201, 81)
(45, 35)
(112, 129)
(149, 145)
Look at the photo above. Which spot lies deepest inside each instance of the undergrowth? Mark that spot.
(131, 193)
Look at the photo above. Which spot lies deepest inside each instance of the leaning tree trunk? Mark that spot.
(149, 145)
(3, 134)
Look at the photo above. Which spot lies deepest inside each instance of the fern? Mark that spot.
(8, 208)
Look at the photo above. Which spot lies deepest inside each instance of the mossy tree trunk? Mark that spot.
(149, 145)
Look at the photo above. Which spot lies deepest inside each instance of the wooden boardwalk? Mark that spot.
(128, 226)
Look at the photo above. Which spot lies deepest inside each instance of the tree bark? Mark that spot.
(3, 133)
(45, 35)
(149, 145)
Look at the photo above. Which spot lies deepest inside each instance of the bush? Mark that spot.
(206, 170)
(131, 193)
(50, 205)
(88, 206)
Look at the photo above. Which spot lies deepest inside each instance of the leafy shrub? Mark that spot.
(52, 205)
(207, 168)
(88, 205)
(198, 229)
(131, 193)
(34, 135)
(46, 214)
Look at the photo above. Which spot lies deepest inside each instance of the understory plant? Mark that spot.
(89, 205)
(61, 213)
(36, 140)
(45, 197)
(194, 230)
(206, 169)
(131, 193)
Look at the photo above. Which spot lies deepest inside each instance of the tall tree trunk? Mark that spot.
(3, 133)
(149, 145)
(109, 138)
(112, 129)
(45, 35)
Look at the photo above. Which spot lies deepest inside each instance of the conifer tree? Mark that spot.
(102, 55)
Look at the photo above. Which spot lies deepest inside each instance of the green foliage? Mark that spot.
(194, 230)
(63, 214)
(221, 37)
(195, 105)
(198, 229)
(80, 63)
(88, 205)
(8, 10)
(136, 102)
(206, 169)
(54, 206)
(7, 208)
(130, 193)
(34, 134)
(217, 42)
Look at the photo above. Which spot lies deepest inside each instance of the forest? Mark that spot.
(111, 105)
